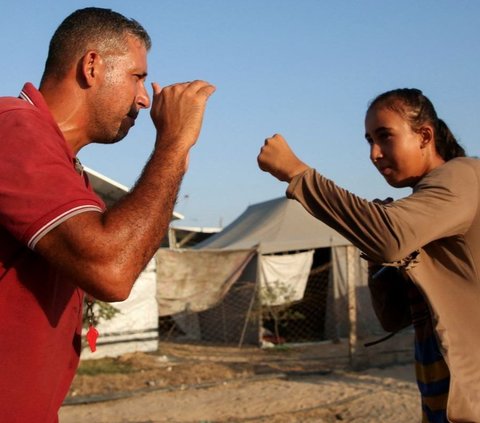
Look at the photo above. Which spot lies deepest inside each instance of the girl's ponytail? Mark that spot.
(446, 144)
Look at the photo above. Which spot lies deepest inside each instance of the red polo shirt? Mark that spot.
(40, 310)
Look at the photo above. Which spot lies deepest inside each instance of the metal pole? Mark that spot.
(352, 304)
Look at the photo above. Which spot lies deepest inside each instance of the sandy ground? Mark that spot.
(182, 383)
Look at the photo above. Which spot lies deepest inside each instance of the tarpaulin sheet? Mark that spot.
(195, 281)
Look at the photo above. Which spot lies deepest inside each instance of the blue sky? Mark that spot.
(306, 69)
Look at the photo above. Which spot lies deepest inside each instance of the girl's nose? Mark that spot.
(375, 152)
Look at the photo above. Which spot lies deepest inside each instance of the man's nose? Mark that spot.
(143, 99)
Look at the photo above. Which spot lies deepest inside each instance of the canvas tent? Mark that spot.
(263, 258)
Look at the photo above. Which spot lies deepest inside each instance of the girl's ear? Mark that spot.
(426, 132)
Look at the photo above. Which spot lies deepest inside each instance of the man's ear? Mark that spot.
(92, 67)
(427, 134)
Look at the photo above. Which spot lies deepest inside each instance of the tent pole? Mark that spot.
(247, 316)
(352, 306)
(250, 306)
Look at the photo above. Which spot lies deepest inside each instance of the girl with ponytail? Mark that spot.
(418, 111)
(431, 237)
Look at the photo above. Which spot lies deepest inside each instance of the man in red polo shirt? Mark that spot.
(57, 240)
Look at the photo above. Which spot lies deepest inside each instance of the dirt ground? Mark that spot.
(205, 384)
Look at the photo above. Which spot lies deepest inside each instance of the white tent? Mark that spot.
(267, 254)
(111, 191)
(135, 325)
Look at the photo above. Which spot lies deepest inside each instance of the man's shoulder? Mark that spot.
(19, 115)
(19, 119)
(8, 104)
